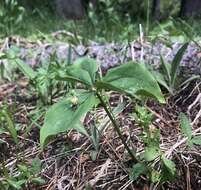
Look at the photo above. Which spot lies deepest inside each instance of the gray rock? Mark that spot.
(111, 55)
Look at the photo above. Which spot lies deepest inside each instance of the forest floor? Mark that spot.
(68, 161)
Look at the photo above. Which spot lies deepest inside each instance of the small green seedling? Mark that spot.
(27, 174)
(41, 79)
(187, 131)
(152, 162)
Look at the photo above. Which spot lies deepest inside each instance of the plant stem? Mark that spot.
(116, 127)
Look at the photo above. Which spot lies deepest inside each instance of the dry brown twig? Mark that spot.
(196, 101)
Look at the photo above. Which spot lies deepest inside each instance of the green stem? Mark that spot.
(116, 127)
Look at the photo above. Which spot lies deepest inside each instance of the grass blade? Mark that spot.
(175, 63)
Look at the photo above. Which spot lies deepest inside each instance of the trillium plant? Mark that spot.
(88, 91)
(131, 79)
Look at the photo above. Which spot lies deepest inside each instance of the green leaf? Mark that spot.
(155, 176)
(165, 68)
(168, 170)
(88, 65)
(2, 130)
(93, 155)
(196, 140)
(16, 184)
(38, 180)
(175, 63)
(10, 125)
(36, 166)
(23, 168)
(190, 144)
(137, 170)
(185, 125)
(2, 56)
(190, 79)
(151, 153)
(83, 71)
(13, 52)
(161, 80)
(133, 79)
(66, 115)
(26, 69)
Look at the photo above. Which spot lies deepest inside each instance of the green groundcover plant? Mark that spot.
(168, 74)
(131, 79)
(87, 91)
(151, 162)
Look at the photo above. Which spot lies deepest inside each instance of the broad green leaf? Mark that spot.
(196, 140)
(133, 79)
(185, 125)
(175, 63)
(83, 71)
(66, 76)
(168, 170)
(26, 69)
(89, 65)
(151, 153)
(66, 115)
(80, 74)
(137, 170)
